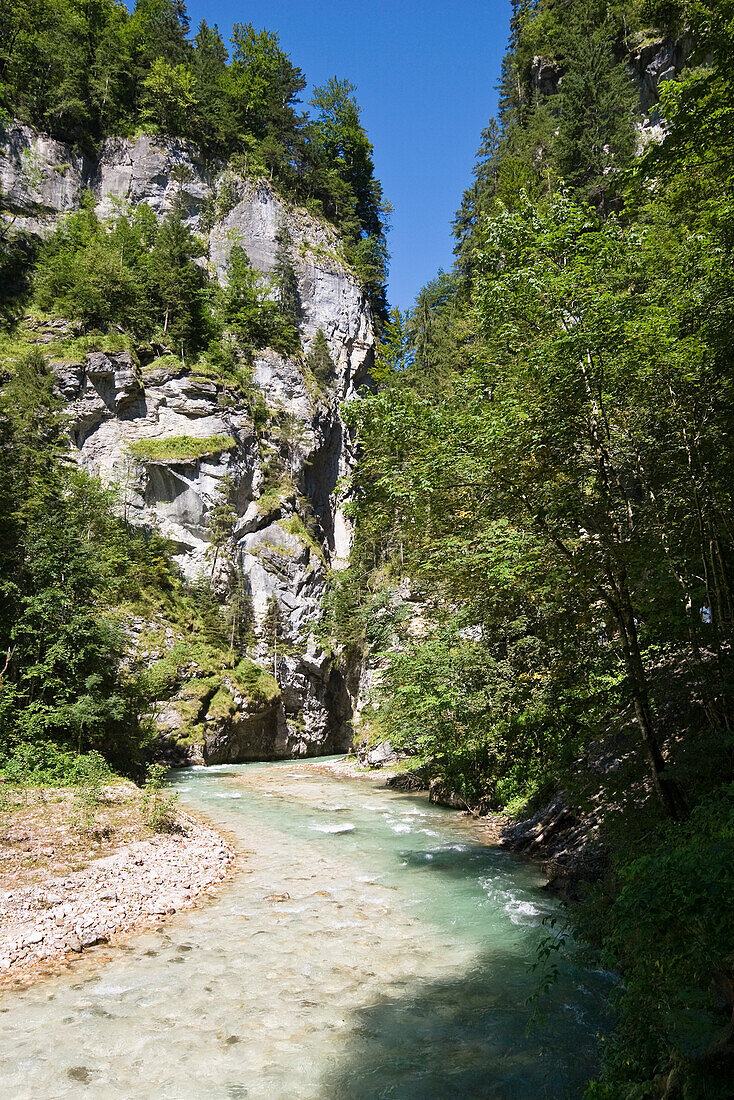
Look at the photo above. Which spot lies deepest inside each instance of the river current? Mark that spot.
(370, 945)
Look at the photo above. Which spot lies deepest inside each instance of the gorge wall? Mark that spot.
(123, 407)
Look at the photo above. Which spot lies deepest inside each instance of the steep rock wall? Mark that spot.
(118, 407)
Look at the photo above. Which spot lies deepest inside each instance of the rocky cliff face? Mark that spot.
(123, 408)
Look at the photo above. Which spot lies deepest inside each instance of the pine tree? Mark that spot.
(273, 628)
(319, 359)
(222, 518)
(597, 100)
(289, 295)
(177, 282)
(239, 614)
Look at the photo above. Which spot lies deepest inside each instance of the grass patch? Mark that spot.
(257, 684)
(163, 362)
(294, 525)
(222, 705)
(181, 448)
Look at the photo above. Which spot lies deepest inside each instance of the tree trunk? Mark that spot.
(667, 790)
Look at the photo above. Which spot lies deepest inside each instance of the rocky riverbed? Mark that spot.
(56, 901)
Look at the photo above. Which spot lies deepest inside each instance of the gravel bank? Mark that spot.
(139, 884)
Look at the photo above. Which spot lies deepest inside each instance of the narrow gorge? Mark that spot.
(367, 570)
(177, 443)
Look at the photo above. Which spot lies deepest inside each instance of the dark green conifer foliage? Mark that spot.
(178, 282)
(289, 295)
(239, 613)
(273, 629)
(222, 518)
(319, 359)
(596, 105)
(245, 305)
(213, 124)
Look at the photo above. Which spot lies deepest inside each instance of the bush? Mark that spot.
(92, 772)
(669, 929)
(159, 810)
(45, 764)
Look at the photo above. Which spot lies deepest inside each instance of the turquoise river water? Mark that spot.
(370, 945)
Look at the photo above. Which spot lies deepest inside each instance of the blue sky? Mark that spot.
(425, 73)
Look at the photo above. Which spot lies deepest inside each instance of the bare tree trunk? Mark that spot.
(667, 790)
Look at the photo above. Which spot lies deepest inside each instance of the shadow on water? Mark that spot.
(475, 1036)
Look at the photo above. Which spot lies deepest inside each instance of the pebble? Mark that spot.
(148, 880)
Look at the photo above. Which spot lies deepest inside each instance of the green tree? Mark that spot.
(273, 629)
(61, 686)
(222, 518)
(214, 126)
(319, 359)
(168, 97)
(596, 134)
(264, 90)
(289, 294)
(178, 282)
(246, 306)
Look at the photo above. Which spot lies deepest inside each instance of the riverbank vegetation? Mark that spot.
(546, 471)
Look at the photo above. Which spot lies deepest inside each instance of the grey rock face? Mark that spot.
(655, 62)
(40, 178)
(121, 411)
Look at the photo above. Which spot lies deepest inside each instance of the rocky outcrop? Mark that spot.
(650, 62)
(167, 433)
(654, 61)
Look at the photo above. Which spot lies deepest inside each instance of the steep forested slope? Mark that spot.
(545, 500)
(181, 321)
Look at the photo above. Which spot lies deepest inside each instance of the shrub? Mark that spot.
(159, 810)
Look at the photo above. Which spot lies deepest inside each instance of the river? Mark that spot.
(370, 945)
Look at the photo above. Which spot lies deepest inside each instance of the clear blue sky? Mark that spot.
(426, 72)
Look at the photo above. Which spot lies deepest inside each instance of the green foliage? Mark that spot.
(39, 764)
(257, 684)
(131, 271)
(596, 105)
(85, 71)
(222, 518)
(159, 810)
(177, 282)
(181, 448)
(92, 773)
(351, 195)
(289, 296)
(246, 307)
(319, 360)
(168, 95)
(65, 558)
(669, 928)
(272, 627)
(95, 272)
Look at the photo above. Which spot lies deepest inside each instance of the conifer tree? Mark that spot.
(273, 628)
(222, 518)
(177, 282)
(319, 359)
(289, 295)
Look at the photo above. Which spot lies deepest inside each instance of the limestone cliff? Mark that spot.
(123, 408)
